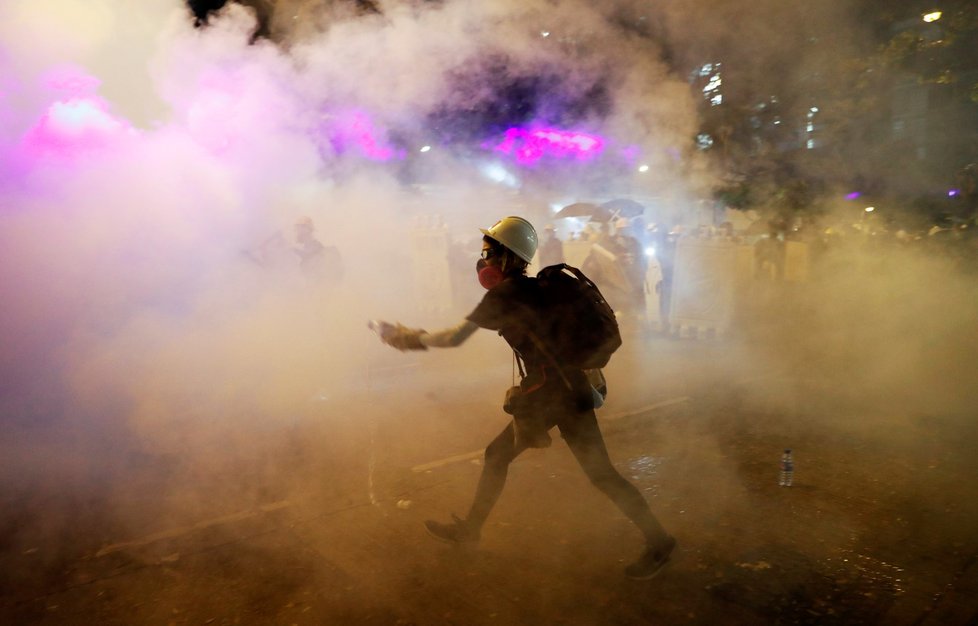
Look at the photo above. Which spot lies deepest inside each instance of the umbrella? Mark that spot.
(585, 209)
(623, 207)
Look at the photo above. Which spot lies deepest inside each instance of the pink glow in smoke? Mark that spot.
(530, 145)
(355, 130)
(76, 122)
(75, 125)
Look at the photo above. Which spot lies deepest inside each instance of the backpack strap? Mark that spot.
(518, 360)
(550, 357)
(580, 276)
(518, 363)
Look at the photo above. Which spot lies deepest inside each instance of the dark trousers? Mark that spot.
(580, 430)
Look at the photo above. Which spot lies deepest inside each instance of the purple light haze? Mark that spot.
(631, 154)
(74, 125)
(853, 196)
(355, 130)
(529, 145)
(951, 193)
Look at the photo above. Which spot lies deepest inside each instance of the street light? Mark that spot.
(870, 209)
(933, 16)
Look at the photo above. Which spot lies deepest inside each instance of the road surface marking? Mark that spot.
(645, 409)
(177, 532)
(447, 461)
(282, 504)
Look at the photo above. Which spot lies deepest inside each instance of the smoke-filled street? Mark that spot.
(317, 518)
(269, 267)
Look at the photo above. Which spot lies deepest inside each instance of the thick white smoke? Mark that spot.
(152, 173)
(156, 329)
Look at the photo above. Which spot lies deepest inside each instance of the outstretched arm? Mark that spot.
(450, 337)
(404, 338)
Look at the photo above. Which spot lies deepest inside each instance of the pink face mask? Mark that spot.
(489, 275)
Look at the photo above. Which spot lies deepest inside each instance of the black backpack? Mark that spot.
(578, 327)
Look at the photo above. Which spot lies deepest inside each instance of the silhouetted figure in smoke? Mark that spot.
(599, 235)
(769, 253)
(319, 264)
(726, 232)
(549, 396)
(603, 264)
(664, 241)
(631, 258)
(551, 248)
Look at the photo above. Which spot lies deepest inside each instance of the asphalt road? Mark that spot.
(316, 517)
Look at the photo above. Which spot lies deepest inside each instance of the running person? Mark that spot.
(509, 307)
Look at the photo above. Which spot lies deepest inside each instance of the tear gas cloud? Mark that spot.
(151, 174)
(145, 159)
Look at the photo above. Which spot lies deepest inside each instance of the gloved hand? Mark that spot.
(403, 338)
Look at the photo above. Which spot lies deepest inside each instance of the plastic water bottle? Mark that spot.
(787, 469)
(380, 327)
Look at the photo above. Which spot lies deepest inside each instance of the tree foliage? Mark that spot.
(843, 117)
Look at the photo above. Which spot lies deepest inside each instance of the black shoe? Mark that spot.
(651, 562)
(457, 532)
